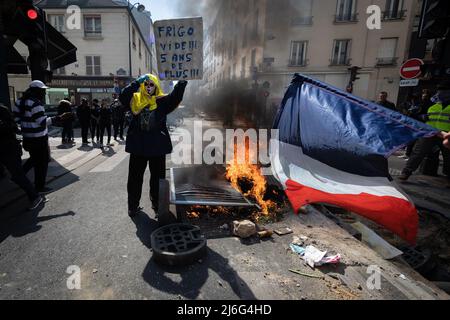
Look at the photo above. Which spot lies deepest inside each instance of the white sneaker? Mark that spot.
(37, 202)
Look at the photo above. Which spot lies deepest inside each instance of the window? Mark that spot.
(301, 11)
(243, 66)
(60, 71)
(57, 21)
(298, 53)
(346, 11)
(255, 25)
(341, 52)
(253, 61)
(394, 10)
(244, 36)
(133, 32)
(146, 59)
(93, 66)
(387, 51)
(92, 26)
(140, 53)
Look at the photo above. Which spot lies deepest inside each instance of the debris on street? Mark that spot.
(306, 274)
(244, 229)
(265, 234)
(283, 231)
(313, 256)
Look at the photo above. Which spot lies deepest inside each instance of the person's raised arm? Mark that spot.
(127, 93)
(176, 96)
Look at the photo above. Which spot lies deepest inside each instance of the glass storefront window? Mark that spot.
(54, 95)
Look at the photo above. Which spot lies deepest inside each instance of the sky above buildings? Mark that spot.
(161, 9)
(169, 9)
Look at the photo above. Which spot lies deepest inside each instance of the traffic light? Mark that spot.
(434, 20)
(354, 72)
(32, 23)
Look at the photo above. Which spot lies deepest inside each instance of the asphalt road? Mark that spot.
(85, 226)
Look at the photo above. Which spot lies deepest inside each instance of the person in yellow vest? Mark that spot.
(438, 117)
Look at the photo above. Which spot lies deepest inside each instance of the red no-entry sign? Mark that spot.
(411, 69)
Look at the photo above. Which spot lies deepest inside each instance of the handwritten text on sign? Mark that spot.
(179, 47)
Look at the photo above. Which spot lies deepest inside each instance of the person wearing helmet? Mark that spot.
(148, 140)
(30, 115)
(438, 116)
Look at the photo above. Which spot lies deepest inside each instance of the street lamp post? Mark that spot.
(140, 8)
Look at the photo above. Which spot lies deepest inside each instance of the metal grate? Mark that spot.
(204, 185)
(178, 244)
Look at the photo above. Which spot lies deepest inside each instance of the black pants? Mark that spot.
(84, 131)
(67, 131)
(11, 160)
(103, 126)
(410, 148)
(137, 166)
(95, 130)
(424, 147)
(39, 159)
(118, 128)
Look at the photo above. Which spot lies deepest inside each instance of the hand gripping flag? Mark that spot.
(332, 148)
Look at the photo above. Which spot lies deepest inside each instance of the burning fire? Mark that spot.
(247, 179)
(195, 212)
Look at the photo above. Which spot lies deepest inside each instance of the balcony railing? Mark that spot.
(302, 21)
(390, 61)
(394, 15)
(340, 62)
(296, 63)
(92, 34)
(346, 17)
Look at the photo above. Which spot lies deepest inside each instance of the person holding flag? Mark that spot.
(332, 147)
(438, 116)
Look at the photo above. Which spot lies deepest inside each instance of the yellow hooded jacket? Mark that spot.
(142, 99)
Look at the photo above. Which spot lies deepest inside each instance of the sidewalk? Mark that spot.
(425, 191)
(64, 159)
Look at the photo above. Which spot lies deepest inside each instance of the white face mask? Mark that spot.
(150, 89)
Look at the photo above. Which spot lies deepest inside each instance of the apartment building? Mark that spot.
(262, 43)
(111, 35)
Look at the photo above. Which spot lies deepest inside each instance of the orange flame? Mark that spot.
(250, 173)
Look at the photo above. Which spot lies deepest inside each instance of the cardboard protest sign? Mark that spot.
(179, 48)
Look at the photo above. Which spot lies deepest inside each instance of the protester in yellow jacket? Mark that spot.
(439, 118)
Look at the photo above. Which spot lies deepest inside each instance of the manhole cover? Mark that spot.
(417, 259)
(178, 244)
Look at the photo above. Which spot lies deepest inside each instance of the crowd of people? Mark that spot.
(97, 118)
(434, 110)
(148, 139)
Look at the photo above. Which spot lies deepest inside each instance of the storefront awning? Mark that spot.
(60, 51)
(16, 64)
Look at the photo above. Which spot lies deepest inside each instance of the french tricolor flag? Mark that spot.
(333, 147)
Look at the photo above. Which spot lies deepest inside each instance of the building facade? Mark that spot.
(262, 43)
(105, 32)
